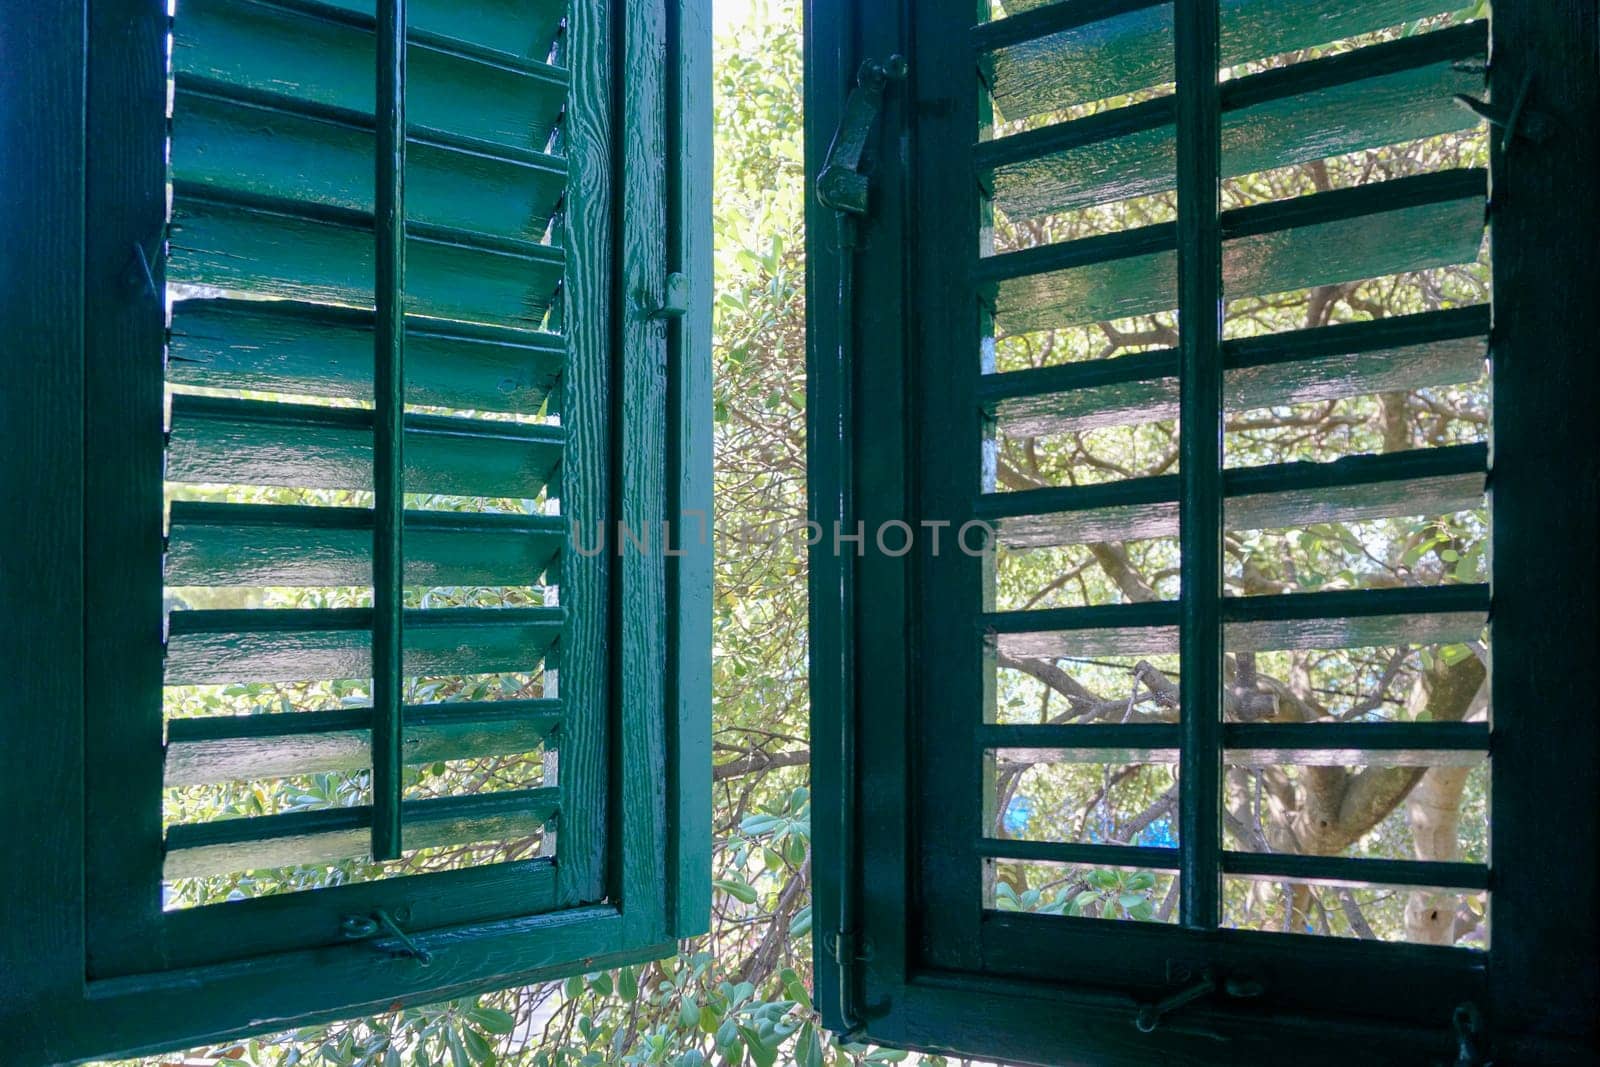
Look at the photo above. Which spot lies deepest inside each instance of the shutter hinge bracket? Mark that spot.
(368, 927)
(841, 186)
(675, 302)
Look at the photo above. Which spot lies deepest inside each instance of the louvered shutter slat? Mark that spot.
(280, 545)
(1121, 46)
(224, 748)
(318, 837)
(295, 347)
(215, 646)
(249, 442)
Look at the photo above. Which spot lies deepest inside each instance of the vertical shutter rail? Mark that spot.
(388, 466)
(1199, 232)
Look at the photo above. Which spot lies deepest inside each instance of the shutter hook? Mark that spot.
(1519, 120)
(1469, 1036)
(143, 271)
(364, 927)
(1150, 1015)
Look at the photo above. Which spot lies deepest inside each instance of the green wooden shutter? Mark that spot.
(375, 350)
(1038, 839)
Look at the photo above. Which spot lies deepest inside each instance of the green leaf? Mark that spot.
(477, 1046)
(808, 1049)
(739, 890)
(493, 1020)
(628, 984)
(764, 1054)
(601, 983)
(458, 1052)
(800, 925)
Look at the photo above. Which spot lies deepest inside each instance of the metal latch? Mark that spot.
(840, 185)
(1150, 1015)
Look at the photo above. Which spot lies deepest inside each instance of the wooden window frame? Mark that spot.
(1044, 988)
(90, 173)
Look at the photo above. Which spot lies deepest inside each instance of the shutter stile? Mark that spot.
(276, 363)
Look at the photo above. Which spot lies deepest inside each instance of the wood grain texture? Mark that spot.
(242, 747)
(289, 251)
(1423, 483)
(294, 347)
(589, 303)
(253, 645)
(324, 156)
(1319, 240)
(42, 410)
(520, 27)
(251, 442)
(326, 56)
(124, 314)
(258, 926)
(245, 545)
(689, 473)
(1132, 51)
(1425, 350)
(638, 842)
(1381, 95)
(332, 835)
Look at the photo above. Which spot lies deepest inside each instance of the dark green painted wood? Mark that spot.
(289, 251)
(121, 593)
(42, 414)
(1276, 866)
(325, 55)
(1432, 220)
(195, 850)
(591, 302)
(1296, 741)
(388, 430)
(1426, 350)
(254, 966)
(1316, 621)
(1334, 744)
(637, 858)
(1112, 56)
(1026, 997)
(259, 926)
(213, 647)
(324, 156)
(250, 442)
(1545, 223)
(148, 1013)
(1381, 95)
(241, 747)
(1423, 482)
(1059, 852)
(519, 27)
(312, 349)
(271, 545)
(1200, 285)
(689, 474)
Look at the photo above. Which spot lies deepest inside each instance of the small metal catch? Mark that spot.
(367, 927)
(1150, 1015)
